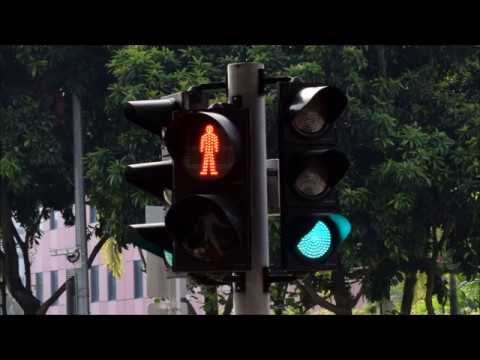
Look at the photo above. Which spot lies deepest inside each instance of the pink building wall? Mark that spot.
(62, 238)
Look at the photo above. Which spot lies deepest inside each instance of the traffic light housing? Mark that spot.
(207, 228)
(155, 115)
(209, 218)
(312, 230)
(156, 177)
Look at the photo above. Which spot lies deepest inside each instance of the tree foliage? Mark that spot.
(36, 174)
(411, 132)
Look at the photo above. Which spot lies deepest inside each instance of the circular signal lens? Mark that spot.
(209, 236)
(203, 229)
(317, 242)
(309, 122)
(312, 181)
(209, 153)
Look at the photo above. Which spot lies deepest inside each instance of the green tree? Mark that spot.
(36, 175)
(410, 120)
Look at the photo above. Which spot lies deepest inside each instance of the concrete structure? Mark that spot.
(115, 296)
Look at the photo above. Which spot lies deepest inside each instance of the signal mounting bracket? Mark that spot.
(239, 279)
(263, 81)
(270, 277)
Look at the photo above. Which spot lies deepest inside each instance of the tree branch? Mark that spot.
(23, 244)
(357, 297)
(3, 283)
(382, 63)
(229, 304)
(429, 292)
(95, 251)
(446, 234)
(17, 237)
(46, 305)
(191, 309)
(42, 310)
(316, 298)
(3, 291)
(142, 257)
(279, 304)
(17, 290)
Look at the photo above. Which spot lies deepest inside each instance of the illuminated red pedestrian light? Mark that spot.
(209, 146)
(204, 144)
(209, 217)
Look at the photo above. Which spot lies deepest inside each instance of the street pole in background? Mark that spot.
(80, 222)
(158, 283)
(70, 292)
(244, 84)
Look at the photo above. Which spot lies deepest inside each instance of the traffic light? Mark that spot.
(155, 177)
(207, 227)
(154, 115)
(209, 218)
(312, 229)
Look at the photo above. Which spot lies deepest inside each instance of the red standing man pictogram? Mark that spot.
(209, 146)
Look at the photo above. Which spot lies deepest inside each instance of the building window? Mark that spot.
(93, 215)
(53, 221)
(138, 279)
(54, 284)
(94, 288)
(112, 287)
(39, 286)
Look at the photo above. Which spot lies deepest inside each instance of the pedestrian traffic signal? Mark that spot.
(153, 238)
(209, 218)
(157, 177)
(155, 115)
(312, 230)
(154, 177)
(207, 225)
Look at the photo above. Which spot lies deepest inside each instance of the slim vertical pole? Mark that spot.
(80, 222)
(453, 294)
(181, 293)
(70, 290)
(243, 81)
(3, 296)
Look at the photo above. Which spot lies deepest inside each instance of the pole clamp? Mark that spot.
(270, 277)
(239, 279)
